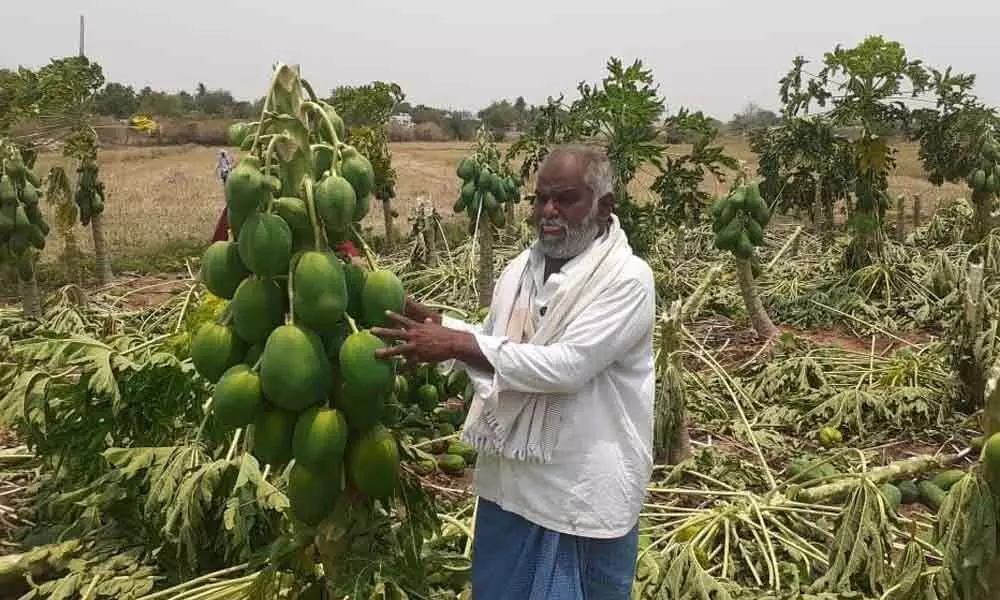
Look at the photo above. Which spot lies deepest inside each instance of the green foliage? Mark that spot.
(373, 143)
(368, 105)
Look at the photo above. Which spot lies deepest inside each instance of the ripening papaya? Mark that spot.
(336, 201)
(744, 249)
(459, 205)
(467, 169)
(754, 232)
(978, 180)
(238, 398)
(273, 430)
(357, 169)
(738, 198)
(363, 206)
(214, 349)
(382, 291)
(265, 244)
(294, 370)
(311, 495)
(355, 278)
(258, 307)
(29, 195)
(362, 408)
(730, 235)
(452, 464)
(320, 438)
(320, 297)
(222, 270)
(336, 121)
(373, 462)
(246, 192)
(296, 214)
(360, 369)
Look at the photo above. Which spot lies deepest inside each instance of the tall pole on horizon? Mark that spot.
(81, 36)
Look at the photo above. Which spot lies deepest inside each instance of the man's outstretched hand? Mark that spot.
(428, 342)
(421, 341)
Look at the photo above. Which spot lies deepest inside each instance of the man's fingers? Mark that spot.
(400, 350)
(401, 319)
(391, 334)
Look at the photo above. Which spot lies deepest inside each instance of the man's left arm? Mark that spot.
(613, 324)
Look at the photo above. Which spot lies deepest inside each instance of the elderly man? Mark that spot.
(562, 414)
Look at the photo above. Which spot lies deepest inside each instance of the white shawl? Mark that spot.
(525, 426)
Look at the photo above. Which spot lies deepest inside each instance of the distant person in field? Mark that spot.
(562, 414)
(223, 167)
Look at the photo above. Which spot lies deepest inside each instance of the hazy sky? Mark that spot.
(716, 55)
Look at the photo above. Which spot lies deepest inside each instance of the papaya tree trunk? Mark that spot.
(101, 259)
(387, 215)
(71, 255)
(916, 211)
(817, 212)
(484, 276)
(900, 218)
(829, 226)
(430, 240)
(31, 302)
(759, 319)
(982, 218)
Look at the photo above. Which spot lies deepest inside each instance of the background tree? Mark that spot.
(957, 139)
(864, 86)
(116, 100)
(753, 117)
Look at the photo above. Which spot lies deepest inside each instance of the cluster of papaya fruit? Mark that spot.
(985, 178)
(291, 355)
(738, 220)
(22, 227)
(484, 189)
(89, 194)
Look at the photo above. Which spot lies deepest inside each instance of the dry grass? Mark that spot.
(165, 195)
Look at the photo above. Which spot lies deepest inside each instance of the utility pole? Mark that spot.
(81, 36)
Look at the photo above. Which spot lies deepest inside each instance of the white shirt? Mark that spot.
(602, 462)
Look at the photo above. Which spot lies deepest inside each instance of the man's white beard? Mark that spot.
(575, 240)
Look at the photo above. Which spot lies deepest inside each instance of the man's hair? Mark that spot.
(597, 167)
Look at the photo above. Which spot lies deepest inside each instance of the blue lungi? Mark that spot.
(514, 559)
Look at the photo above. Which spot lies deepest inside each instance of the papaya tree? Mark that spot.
(22, 227)
(738, 220)
(63, 107)
(365, 111)
(804, 166)
(959, 142)
(863, 87)
(488, 185)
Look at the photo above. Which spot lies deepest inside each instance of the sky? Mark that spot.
(712, 55)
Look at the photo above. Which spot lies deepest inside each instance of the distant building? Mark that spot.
(401, 119)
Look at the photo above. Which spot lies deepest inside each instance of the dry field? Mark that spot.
(158, 197)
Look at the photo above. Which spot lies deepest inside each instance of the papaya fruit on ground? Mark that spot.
(320, 439)
(451, 464)
(401, 388)
(892, 494)
(931, 495)
(830, 436)
(335, 202)
(222, 269)
(357, 169)
(246, 192)
(258, 307)
(265, 244)
(214, 349)
(382, 291)
(294, 212)
(466, 451)
(373, 462)
(238, 397)
(311, 495)
(948, 478)
(908, 491)
(320, 297)
(393, 412)
(273, 430)
(427, 396)
(294, 369)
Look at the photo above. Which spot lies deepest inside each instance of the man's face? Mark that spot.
(565, 211)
